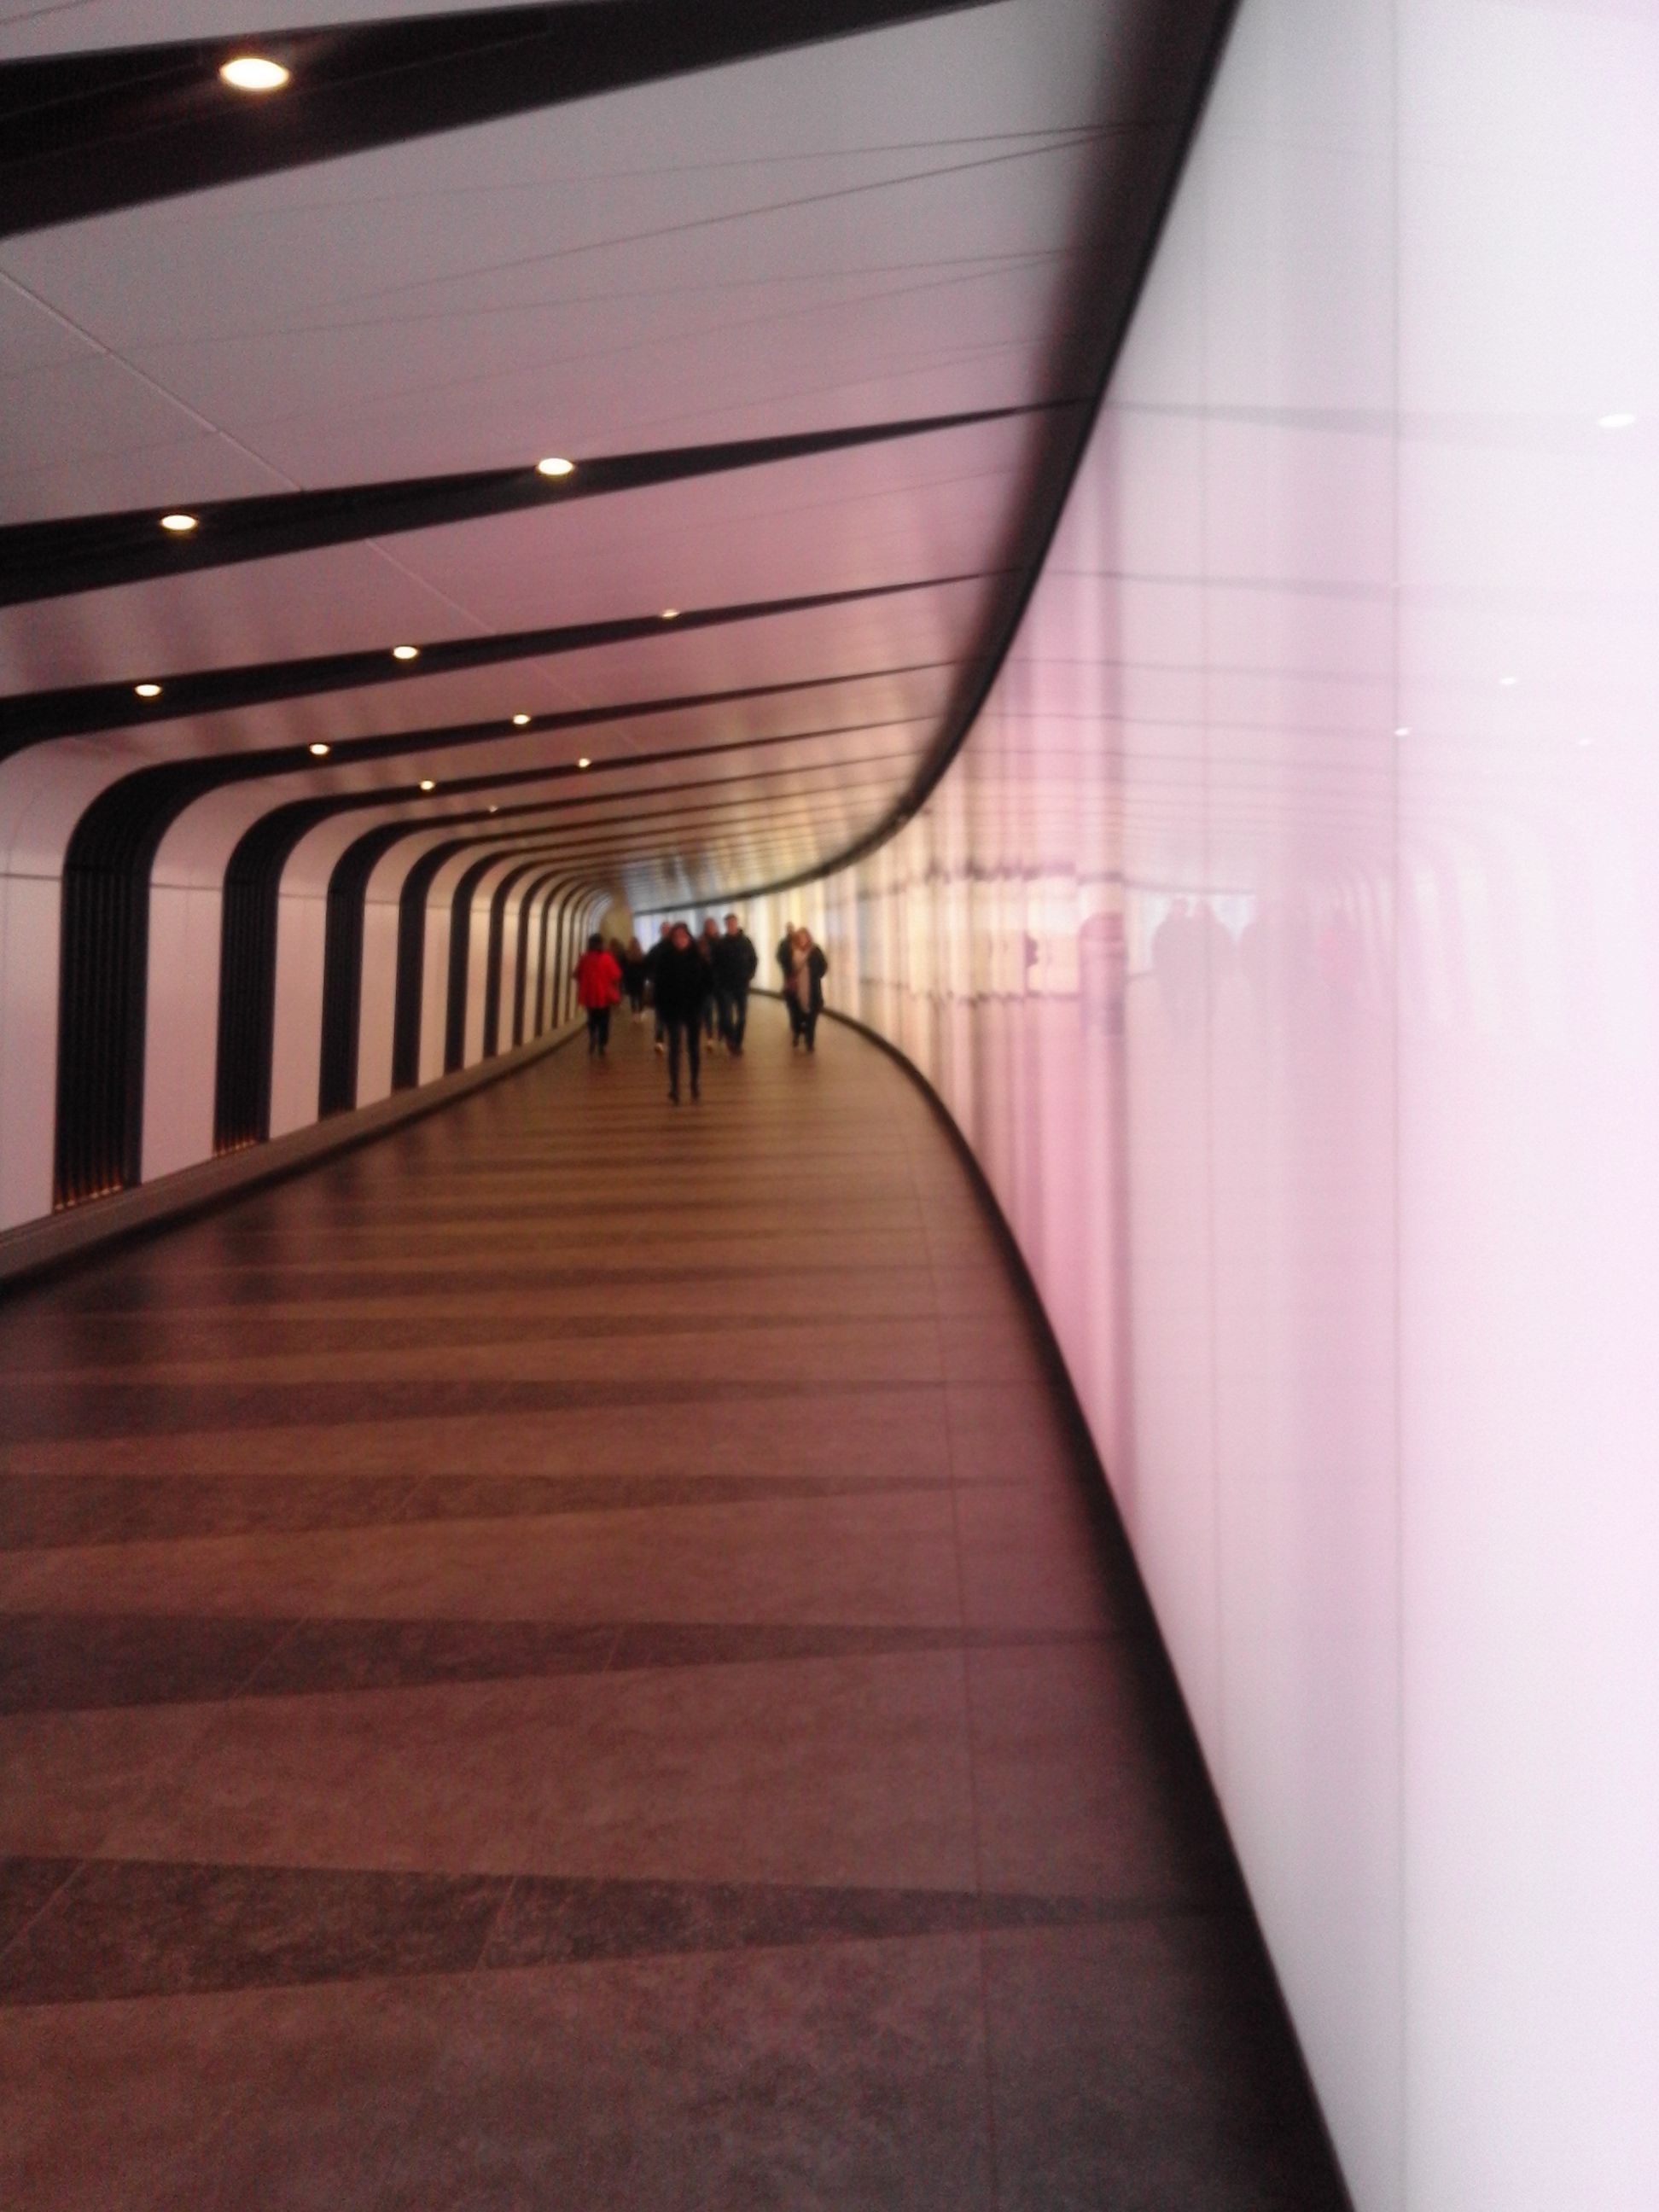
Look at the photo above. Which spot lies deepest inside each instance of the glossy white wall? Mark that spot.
(1341, 1186)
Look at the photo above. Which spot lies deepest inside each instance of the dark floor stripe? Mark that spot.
(136, 1929)
(79, 1663)
(67, 1512)
(186, 1290)
(38, 1410)
(45, 1353)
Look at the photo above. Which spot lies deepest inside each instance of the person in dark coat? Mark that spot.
(653, 962)
(804, 989)
(735, 962)
(786, 943)
(681, 982)
(599, 987)
(633, 969)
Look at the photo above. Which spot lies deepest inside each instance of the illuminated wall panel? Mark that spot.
(1285, 942)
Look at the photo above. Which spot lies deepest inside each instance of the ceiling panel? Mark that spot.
(894, 224)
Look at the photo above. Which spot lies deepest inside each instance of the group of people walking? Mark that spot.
(699, 989)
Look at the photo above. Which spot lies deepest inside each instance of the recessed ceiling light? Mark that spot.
(1508, 682)
(670, 614)
(494, 809)
(1616, 422)
(519, 720)
(427, 784)
(556, 466)
(254, 73)
(405, 653)
(319, 749)
(1404, 730)
(584, 762)
(147, 691)
(179, 522)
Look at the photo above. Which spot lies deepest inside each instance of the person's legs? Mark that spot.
(605, 1029)
(674, 1031)
(795, 1023)
(739, 1019)
(593, 1029)
(808, 1025)
(693, 1055)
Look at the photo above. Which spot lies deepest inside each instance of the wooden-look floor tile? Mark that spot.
(573, 1656)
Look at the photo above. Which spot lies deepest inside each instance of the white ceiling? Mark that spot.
(883, 226)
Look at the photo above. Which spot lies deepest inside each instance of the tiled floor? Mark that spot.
(570, 1659)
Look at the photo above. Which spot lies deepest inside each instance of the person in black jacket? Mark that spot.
(735, 962)
(681, 980)
(653, 962)
(633, 965)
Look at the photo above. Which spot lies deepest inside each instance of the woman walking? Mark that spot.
(599, 987)
(802, 988)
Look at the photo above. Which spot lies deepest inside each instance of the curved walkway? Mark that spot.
(570, 1659)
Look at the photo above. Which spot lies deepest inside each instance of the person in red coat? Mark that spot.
(599, 987)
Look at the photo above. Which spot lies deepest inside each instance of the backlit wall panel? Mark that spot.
(1284, 940)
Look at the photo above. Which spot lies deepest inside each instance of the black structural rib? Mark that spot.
(410, 981)
(87, 132)
(90, 552)
(460, 959)
(30, 718)
(98, 1139)
(526, 907)
(495, 951)
(342, 968)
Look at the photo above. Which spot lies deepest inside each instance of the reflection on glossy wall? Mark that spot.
(1285, 940)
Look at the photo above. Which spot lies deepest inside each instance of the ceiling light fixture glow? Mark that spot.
(1616, 422)
(147, 691)
(556, 466)
(519, 721)
(670, 614)
(584, 762)
(179, 523)
(318, 751)
(254, 73)
(405, 653)
(427, 784)
(1508, 682)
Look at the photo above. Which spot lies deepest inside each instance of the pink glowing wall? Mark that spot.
(1340, 1182)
